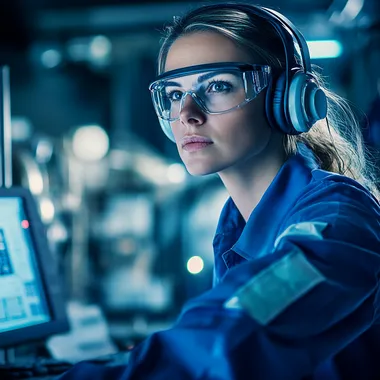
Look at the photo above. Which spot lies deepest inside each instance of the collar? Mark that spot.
(256, 237)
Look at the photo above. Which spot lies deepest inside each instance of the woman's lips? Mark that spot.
(194, 143)
(195, 146)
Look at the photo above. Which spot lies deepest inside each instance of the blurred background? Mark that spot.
(130, 230)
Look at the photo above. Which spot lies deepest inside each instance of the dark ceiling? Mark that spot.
(22, 21)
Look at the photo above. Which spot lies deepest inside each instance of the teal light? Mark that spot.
(324, 49)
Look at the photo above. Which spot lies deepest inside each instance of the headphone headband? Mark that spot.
(283, 26)
(305, 55)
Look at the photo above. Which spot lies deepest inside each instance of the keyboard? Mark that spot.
(49, 368)
(39, 368)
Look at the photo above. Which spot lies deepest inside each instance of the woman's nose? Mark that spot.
(191, 113)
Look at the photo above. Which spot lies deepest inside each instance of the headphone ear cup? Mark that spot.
(166, 127)
(307, 103)
(296, 104)
(277, 99)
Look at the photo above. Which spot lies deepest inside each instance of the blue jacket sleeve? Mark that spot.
(280, 316)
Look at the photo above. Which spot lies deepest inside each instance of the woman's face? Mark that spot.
(234, 139)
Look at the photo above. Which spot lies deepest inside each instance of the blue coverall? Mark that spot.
(295, 295)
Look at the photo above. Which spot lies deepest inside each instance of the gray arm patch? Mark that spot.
(313, 230)
(276, 287)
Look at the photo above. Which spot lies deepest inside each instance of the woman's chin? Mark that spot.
(199, 171)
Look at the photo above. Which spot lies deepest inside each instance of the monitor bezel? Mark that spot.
(50, 279)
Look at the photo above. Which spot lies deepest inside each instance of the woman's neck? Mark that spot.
(248, 183)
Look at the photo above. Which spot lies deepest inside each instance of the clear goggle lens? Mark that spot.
(216, 91)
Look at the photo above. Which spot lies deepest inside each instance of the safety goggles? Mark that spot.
(216, 88)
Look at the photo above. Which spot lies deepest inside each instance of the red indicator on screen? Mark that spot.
(25, 224)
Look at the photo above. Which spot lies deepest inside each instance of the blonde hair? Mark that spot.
(336, 141)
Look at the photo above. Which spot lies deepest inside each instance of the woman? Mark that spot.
(297, 251)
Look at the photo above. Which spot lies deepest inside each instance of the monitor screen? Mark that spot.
(32, 305)
(22, 298)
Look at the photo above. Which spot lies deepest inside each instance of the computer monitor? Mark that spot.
(31, 301)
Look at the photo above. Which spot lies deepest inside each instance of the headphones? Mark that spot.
(294, 101)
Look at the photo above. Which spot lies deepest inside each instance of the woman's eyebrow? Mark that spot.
(171, 83)
(206, 76)
(209, 75)
(200, 79)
